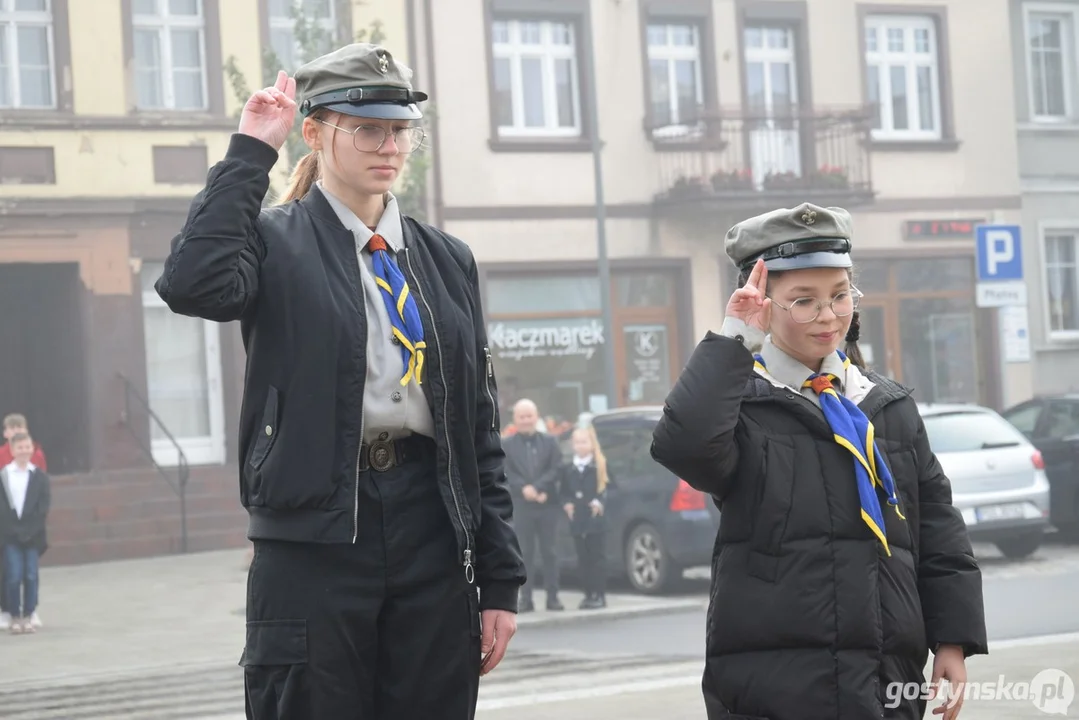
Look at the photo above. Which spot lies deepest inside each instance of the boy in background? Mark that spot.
(24, 510)
(14, 424)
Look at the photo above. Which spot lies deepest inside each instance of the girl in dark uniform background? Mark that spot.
(584, 491)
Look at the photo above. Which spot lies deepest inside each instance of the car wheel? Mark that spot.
(1021, 547)
(649, 568)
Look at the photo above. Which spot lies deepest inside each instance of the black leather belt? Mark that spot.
(381, 455)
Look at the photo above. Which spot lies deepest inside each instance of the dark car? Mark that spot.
(1051, 424)
(657, 524)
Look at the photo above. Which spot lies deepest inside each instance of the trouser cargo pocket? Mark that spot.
(275, 670)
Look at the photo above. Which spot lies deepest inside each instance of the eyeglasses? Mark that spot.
(370, 138)
(806, 310)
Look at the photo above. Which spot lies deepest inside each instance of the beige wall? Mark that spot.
(109, 163)
(985, 162)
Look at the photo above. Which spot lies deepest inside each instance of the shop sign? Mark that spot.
(941, 229)
(545, 338)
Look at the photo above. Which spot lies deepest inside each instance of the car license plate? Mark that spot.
(1013, 511)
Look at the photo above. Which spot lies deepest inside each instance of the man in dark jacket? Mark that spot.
(533, 464)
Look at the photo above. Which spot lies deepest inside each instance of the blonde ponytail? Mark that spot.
(601, 460)
(304, 175)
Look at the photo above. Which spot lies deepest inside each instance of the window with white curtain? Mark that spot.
(674, 68)
(183, 379)
(170, 54)
(1050, 53)
(903, 75)
(26, 54)
(1062, 281)
(535, 78)
(319, 17)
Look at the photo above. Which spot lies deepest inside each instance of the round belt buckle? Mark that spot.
(381, 455)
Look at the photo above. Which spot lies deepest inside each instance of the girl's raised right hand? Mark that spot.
(269, 113)
(749, 303)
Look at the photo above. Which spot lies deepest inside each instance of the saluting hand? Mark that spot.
(748, 303)
(269, 113)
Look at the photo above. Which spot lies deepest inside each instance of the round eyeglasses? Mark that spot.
(370, 138)
(806, 310)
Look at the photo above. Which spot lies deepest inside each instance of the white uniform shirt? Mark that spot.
(390, 410)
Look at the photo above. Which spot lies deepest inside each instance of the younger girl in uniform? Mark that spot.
(584, 491)
(841, 562)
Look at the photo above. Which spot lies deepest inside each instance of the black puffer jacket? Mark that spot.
(809, 618)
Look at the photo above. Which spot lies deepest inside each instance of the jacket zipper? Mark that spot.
(470, 573)
(490, 377)
(359, 450)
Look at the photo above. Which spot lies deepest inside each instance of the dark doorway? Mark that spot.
(42, 359)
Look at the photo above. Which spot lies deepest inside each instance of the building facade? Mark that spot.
(710, 111)
(1045, 36)
(111, 112)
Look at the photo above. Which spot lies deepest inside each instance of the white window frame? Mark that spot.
(883, 59)
(1071, 44)
(206, 449)
(670, 54)
(277, 22)
(164, 23)
(1045, 229)
(10, 20)
(514, 51)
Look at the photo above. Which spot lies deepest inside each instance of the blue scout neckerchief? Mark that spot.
(852, 430)
(401, 306)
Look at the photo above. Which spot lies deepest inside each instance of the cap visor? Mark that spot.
(811, 260)
(377, 111)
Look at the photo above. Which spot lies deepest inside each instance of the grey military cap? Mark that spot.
(360, 79)
(807, 236)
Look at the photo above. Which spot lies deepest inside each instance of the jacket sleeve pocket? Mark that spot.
(266, 433)
(275, 669)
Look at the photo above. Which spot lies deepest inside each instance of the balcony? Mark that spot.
(741, 162)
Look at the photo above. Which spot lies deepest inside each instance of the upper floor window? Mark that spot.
(1050, 54)
(674, 65)
(170, 54)
(26, 54)
(301, 30)
(1062, 282)
(902, 62)
(535, 78)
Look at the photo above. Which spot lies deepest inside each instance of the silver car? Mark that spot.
(998, 478)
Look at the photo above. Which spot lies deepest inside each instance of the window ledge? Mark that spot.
(62, 120)
(1070, 127)
(944, 145)
(539, 145)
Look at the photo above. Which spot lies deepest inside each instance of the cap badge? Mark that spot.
(809, 217)
(383, 63)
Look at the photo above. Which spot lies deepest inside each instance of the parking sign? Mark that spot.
(1000, 253)
(999, 250)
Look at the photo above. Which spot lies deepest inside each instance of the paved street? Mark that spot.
(159, 640)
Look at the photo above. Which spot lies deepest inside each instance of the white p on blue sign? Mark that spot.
(1000, 253)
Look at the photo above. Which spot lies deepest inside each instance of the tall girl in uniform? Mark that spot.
(386, 570)
(584, 492)
(841, 562)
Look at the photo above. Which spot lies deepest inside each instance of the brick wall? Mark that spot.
(115, 514)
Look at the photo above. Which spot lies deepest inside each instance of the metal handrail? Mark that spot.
(183, 472)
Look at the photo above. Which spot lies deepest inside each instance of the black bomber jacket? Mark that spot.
(289, 274)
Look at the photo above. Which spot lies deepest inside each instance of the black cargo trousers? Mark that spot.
(386, 628)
